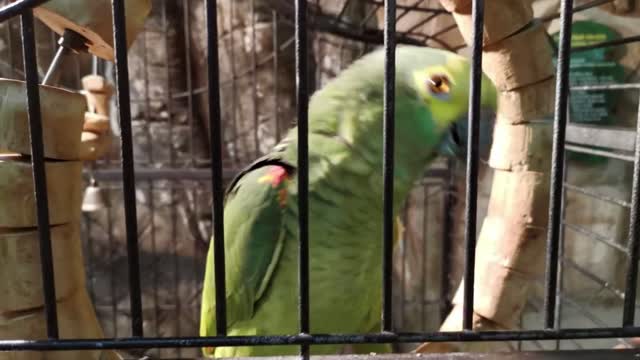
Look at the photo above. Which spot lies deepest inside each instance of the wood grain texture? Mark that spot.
(76, 319)
(20, 269)
(64, 188)
(62, 116)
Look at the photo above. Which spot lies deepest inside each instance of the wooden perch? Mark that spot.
(61, 120)
(93, 20)
(510, 248)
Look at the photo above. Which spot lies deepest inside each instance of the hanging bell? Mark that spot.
(94, 198)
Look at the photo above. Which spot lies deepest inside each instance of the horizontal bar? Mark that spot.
(336, 339)
(594, 236)
(576, 9)
(326, 23)
(599, 136)
(603, 153)
(530, 355)
(589, 275)
(16, 8)
(414, 8)
(606, 87)
(597, 196)
(605, 44)
(190, 174)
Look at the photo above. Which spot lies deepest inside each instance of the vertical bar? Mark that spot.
(254, 80)
(189, 78)
(9, 34)
(39, 173)
(557, 161)
(102, 70)
(215, 129)
(628, 316)
(94, 65)
(90, 258)
(471, 207)
(387, 162)
(234, 87)
(276, 52)
(78, 79)
(403, 271)
(151, 204)
(112, 272)
(128, 175)
(447, 232)
(560, 294)
(302, 101)
(425, 253)
(172, 184)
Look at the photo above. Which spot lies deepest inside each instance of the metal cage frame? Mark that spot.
(304, 338)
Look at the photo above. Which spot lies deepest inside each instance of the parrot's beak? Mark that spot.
(455, 141)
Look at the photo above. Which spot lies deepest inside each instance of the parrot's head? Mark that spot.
(442, 81)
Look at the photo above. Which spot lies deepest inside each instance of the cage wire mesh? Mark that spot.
(256, 40)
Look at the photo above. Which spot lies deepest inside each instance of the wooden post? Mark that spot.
(510, 248)
(22, 303)
(17, 200)
(60, 128)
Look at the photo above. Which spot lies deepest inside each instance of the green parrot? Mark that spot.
(345, 201)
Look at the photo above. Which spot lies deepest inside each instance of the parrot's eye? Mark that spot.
(439, 85)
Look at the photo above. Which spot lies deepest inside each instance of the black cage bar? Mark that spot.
(305, 338)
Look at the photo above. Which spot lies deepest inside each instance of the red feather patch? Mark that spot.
(275, 176)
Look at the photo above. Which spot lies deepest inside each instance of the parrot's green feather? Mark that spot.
(345, 203)
(253, 223)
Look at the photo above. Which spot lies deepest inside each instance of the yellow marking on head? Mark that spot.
(448, 103)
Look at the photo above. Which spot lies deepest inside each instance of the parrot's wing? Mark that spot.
(253, 240)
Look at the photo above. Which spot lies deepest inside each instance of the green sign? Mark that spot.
(592, 67)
